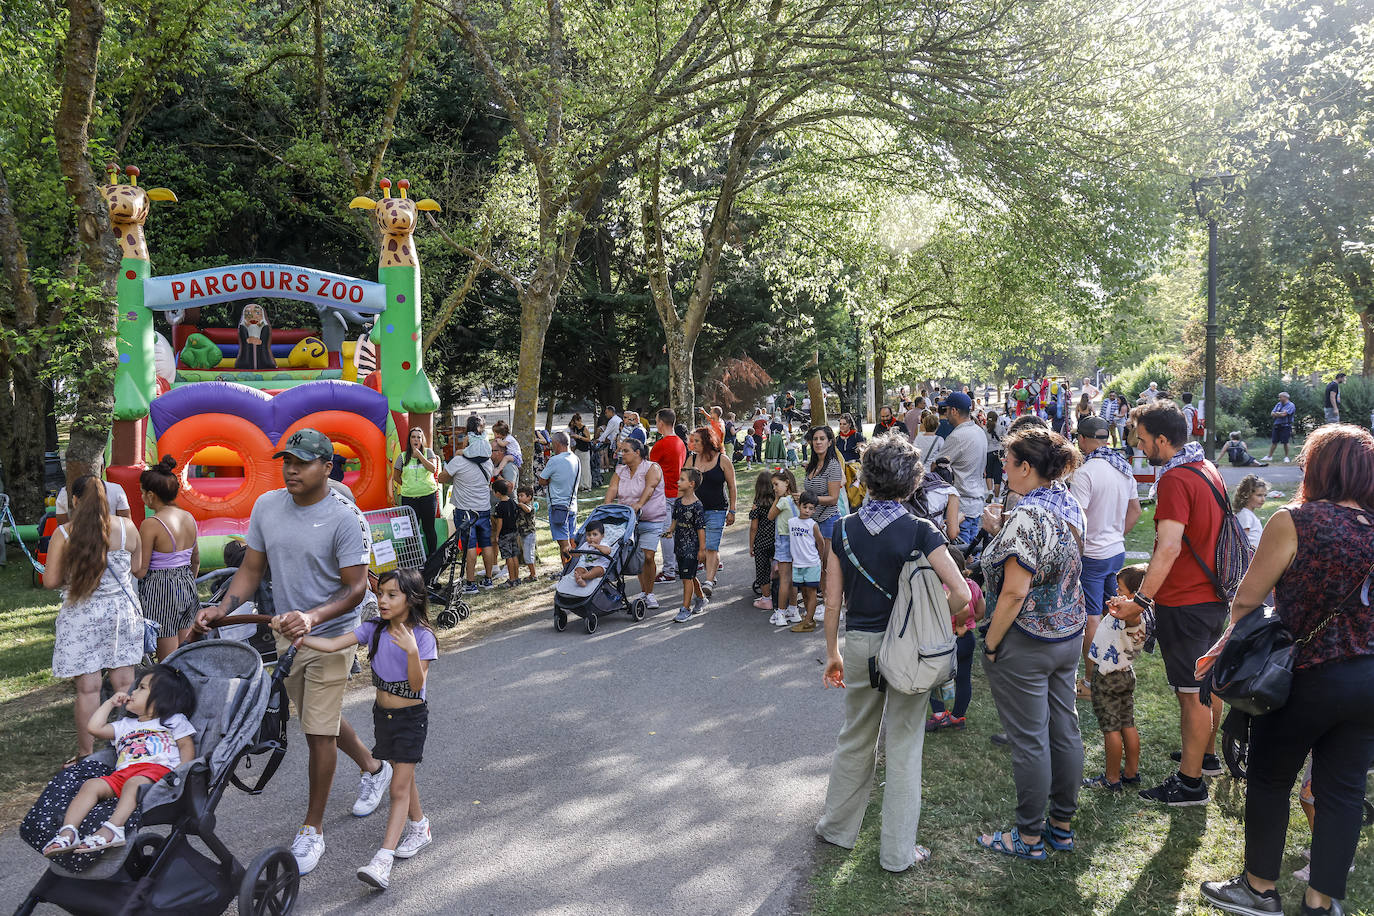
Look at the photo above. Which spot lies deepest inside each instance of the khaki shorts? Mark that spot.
(316, 686)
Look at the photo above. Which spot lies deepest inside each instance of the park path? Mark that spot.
(647, 768)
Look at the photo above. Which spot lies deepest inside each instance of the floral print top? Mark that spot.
(1335, 552)
(1043, 543)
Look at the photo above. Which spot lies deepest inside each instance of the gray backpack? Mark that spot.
(918, 649)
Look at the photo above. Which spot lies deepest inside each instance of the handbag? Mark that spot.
(1254, 670)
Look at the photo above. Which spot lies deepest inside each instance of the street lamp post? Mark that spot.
(1207, 198)
(1283, 316)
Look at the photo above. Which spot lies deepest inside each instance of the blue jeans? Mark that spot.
(828, 526)
(963, 678)
(968, 527)
(715, 527)
(1099, 581)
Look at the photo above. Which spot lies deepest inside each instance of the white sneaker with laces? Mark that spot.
(371, 789)
(793, 615)
(779, 618)
(377, 872)
(307, 848)
(415, 837)
(820, 613)
(651, 602)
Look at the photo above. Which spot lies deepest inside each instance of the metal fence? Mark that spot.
(397, 542)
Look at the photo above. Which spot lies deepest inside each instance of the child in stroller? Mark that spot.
(147, 748)
(593, 581)
(591, 566)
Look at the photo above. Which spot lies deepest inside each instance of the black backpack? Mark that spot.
(1233, 552)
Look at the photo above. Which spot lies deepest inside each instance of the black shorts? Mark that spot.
(1282, 433)
(687, 566)
(993, 469)
(1185, 634)
(399, 734)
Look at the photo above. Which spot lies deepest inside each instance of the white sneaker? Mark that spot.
(708, 587)
(377, 872)
(820, 613)
(307, 848)
(371, 788)
(779, 618)
(793, 615)
(415, 837)
(651, 602)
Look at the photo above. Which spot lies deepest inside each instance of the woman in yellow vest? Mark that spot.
(414, 475)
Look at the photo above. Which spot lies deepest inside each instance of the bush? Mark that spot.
(1228, 423)
(1153, 368)
(1260, 396)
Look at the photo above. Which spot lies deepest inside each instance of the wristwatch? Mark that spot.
(990, 651)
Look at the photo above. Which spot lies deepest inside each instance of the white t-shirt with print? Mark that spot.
(1115, 645)
(151, 741)
(802, 532)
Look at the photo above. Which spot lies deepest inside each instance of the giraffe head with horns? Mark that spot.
(396, 218)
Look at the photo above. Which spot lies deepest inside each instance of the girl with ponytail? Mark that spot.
(169, 558)
(99, 625)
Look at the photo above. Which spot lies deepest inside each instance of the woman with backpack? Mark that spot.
(870, 548)
(1317, 556)
(1031, 571)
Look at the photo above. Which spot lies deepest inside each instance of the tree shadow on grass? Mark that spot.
(1163, 876)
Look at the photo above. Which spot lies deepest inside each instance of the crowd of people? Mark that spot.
(1023, 518)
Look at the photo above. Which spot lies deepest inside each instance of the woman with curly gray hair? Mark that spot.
(868, 550)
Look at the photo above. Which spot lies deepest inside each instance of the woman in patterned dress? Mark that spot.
(168, 559)
(99, 625)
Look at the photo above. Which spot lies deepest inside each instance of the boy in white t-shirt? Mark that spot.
(147, 748)
(1113, 651)
(804, 539)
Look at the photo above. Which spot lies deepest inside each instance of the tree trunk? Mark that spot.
(548, 418)
(1367, 325)
(879, 383)
(536, 309)
(98, 252)
(816, 390)
(681, 384)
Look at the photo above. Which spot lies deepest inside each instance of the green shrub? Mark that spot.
(1262, 393)
(1153, 368)
(1230, 423)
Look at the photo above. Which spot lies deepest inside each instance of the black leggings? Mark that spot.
(1330, 711)
(963, 678)
(425, 507)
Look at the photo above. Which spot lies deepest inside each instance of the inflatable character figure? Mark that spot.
(255, 340)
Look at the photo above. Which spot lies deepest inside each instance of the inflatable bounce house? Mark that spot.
(222, 400)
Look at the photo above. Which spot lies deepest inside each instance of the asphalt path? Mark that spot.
(650, 767)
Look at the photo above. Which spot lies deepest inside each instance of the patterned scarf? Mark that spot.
(1189, 454)
(877, 514)
(1114, 458)
(1057, 499)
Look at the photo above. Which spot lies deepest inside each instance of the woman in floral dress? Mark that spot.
(100, 624)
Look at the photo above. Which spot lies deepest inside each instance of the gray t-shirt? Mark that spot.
(307, 546)
(471, 483)
(967, 450)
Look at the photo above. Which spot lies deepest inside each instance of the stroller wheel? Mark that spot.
(638, 607)
(560, 621)
(591, 623)
(270, 884)
(1235, 743)
(446, 620)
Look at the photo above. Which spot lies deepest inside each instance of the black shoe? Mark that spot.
(1334, 910)
(1211, 763)
(1000, 739)
(1174, 793)
(1237, 896)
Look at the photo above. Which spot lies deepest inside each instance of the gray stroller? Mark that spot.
(241, 713)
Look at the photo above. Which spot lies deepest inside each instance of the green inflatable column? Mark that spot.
(136, 375)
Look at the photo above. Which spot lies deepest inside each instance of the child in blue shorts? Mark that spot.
(804, 535)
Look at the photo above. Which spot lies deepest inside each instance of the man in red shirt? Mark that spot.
(1189, 614)
(669, 453)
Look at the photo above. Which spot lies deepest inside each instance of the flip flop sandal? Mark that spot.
(62, 842)
(95, 842)
(805, 626)
(1058, 839)
(1017, 849)
(72, 761)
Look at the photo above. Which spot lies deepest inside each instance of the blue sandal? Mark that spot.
(1059, 839)
(1018, 847)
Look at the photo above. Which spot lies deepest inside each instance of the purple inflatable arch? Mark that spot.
(273, 415)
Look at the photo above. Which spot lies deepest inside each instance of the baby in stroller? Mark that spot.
(147, 748)
(591, 567)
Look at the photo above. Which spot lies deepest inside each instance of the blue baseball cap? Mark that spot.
(959, 401)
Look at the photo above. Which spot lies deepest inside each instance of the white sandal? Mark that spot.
(62, 841)
(95, 842)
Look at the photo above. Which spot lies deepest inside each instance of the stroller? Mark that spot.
(240, 713)
(443, 575)
(605, 594)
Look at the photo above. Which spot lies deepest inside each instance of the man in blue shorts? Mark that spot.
(560, 477)
(470, 471)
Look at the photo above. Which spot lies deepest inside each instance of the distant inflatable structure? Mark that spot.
(222, 400)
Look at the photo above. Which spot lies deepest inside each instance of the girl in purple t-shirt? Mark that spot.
(401, 645)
